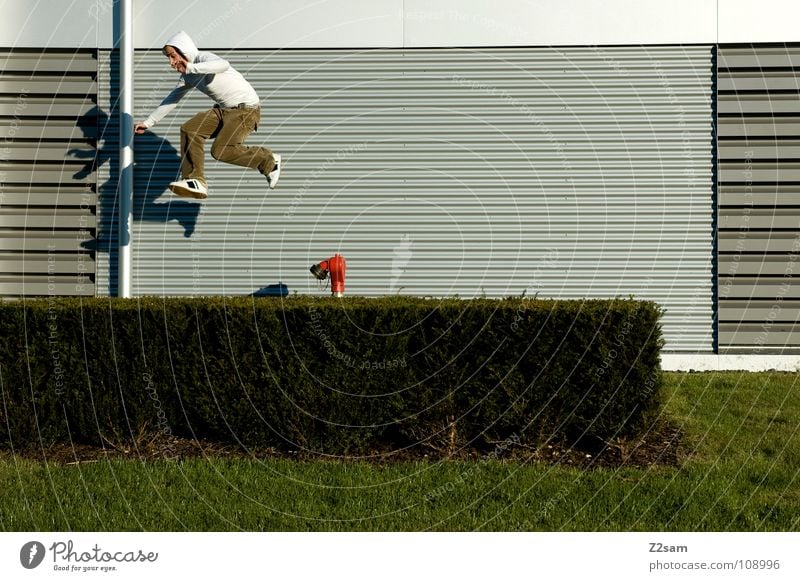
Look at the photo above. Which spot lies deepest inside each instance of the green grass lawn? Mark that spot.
(740, 471)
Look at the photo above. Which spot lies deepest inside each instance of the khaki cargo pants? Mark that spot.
(229, 128)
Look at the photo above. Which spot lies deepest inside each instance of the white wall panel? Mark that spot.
(256, 24)
(565, 172)
(56, 23)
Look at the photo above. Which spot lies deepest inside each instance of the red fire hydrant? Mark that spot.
(336, 266)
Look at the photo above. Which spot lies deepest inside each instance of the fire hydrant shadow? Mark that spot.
(272, 290)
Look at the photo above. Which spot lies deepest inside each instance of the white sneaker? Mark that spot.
(275, 174)
(191, 188)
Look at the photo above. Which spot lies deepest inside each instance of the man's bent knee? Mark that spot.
(218, 152)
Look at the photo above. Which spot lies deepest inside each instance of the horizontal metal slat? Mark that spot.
(50, 174)
(81, 109)
(29, 218)
(250, 242)
(54, 85)
(759, 57)
(753, 287)
(759, 172)
(759, 218)
(763, 104)
(20, 62)
(755, 150)
(29, 196)
(25, 151)
(45, 129)
(758, 81)
(754, 241)
(46, 264)
(758, 194)
(759, 311)
(758, 127)
(737, 264)
(750, 199)
(57, 241)
(41, 286)
(775, 336)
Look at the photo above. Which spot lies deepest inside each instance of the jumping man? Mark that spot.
(235, 115)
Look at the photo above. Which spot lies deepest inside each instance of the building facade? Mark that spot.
(629, 149)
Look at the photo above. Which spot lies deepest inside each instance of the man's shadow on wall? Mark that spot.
(157, 163)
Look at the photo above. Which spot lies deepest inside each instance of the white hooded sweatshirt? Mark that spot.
(209, 73)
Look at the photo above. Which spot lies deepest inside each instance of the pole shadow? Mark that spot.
(156, 164)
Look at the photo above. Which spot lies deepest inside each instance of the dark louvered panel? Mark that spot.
(759, 198)
(48, 161)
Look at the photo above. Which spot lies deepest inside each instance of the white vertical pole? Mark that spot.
(125, 11)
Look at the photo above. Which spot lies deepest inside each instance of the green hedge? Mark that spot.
(336, 376)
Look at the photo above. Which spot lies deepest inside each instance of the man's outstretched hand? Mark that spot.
(139, 128)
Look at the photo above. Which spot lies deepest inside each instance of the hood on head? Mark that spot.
(183, 43)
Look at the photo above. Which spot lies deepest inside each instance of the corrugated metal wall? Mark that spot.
(48, 201)
(567, 172)
(759, 198)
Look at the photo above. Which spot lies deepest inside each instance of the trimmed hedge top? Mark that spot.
(335, 376)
